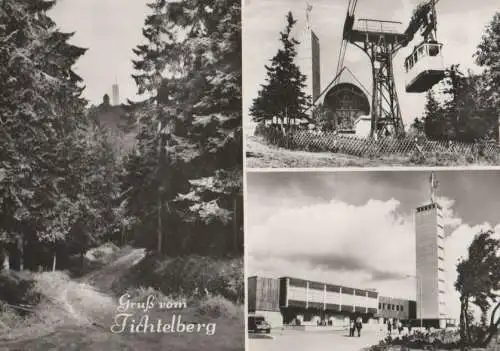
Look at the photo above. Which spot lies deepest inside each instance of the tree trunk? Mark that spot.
(20, 246)
(82, 251)
(235, 225)
(6, 260)
(493, 329)
(54, 261)
(463, 320)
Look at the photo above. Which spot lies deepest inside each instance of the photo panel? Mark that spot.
(348, 83)
(363, 259)
(121, 175)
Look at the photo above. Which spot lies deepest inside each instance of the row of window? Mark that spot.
(390, 307)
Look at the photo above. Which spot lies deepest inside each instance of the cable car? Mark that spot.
(424, 67)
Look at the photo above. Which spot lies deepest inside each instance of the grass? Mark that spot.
(70, 314)
(261, 155)
(192, 276)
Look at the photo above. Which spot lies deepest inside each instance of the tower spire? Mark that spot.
(433, 186)
(308, 15)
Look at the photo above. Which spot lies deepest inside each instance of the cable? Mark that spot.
(359, 82)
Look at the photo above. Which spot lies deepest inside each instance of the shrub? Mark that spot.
(191, 276)
(218, 306)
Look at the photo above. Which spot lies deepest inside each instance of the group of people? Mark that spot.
(396, 325)
(355, 325)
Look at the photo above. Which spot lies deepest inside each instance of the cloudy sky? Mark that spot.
(110, 29)
(357, 228)
(460, 26)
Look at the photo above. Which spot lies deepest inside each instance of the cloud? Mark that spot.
(371, 240)
(366, 246)
(449, 218)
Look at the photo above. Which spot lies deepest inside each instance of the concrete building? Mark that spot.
(390, 308)
(429, 235)
(292, 301)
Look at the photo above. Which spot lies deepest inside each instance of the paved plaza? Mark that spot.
(312, 341)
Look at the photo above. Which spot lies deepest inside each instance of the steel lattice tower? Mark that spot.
(380, 41)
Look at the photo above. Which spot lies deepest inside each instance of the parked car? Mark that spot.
(258, 324)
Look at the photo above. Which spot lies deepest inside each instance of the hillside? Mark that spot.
(77, 314)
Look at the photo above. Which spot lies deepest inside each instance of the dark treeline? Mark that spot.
(63, 186)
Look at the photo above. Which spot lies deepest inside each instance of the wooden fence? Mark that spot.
(317, 141)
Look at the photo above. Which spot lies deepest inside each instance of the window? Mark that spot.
(397, 308)
(401, 308)
(379, 306)
(393, 307)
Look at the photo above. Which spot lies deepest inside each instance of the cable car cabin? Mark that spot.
(424, 67)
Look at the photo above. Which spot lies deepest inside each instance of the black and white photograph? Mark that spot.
(121, 175)
(373, 260)
(358, 83)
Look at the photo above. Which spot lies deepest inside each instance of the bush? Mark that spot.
(18, 288)
(191, 276)
(217, 307)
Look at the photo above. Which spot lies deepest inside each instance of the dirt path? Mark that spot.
(104, 278)
(96, 335)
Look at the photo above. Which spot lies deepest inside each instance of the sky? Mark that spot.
(460, 27)
(357, 228)
(109, 29)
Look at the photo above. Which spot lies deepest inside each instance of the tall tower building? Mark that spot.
(431, 302)
(308, 58)
(115, 94)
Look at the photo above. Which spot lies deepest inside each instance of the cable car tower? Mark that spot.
(381, 40)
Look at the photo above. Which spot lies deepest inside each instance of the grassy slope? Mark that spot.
(260, 155)
(64, 320)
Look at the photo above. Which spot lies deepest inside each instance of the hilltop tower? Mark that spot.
(429, 236)
(115, 94)
(308, 58)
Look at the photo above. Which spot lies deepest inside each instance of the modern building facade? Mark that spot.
(429, 235)
(396, 309)
(290, 300)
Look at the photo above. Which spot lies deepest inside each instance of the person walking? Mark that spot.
(400, 327)
(389, 327)
(351, 327)
(359, 325)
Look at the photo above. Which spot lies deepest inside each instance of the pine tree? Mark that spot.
(198, 103)
(433, 117)
(56, 187)
(282, 96)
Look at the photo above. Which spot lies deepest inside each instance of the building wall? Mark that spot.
(263, 294)
(430, 262)
(389, 307)
(321, 296)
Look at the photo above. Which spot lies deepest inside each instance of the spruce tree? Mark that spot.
(433, 117)
(55, 179)
(282, 96)
(196, 62)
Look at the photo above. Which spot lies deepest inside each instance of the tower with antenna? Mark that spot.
(115, 93)
(308, 57)
(430, 266)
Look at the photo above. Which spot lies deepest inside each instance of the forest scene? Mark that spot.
(150, 205)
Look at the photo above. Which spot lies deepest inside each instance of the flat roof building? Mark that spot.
(289, 300)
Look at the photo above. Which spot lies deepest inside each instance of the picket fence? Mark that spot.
(317, 141)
